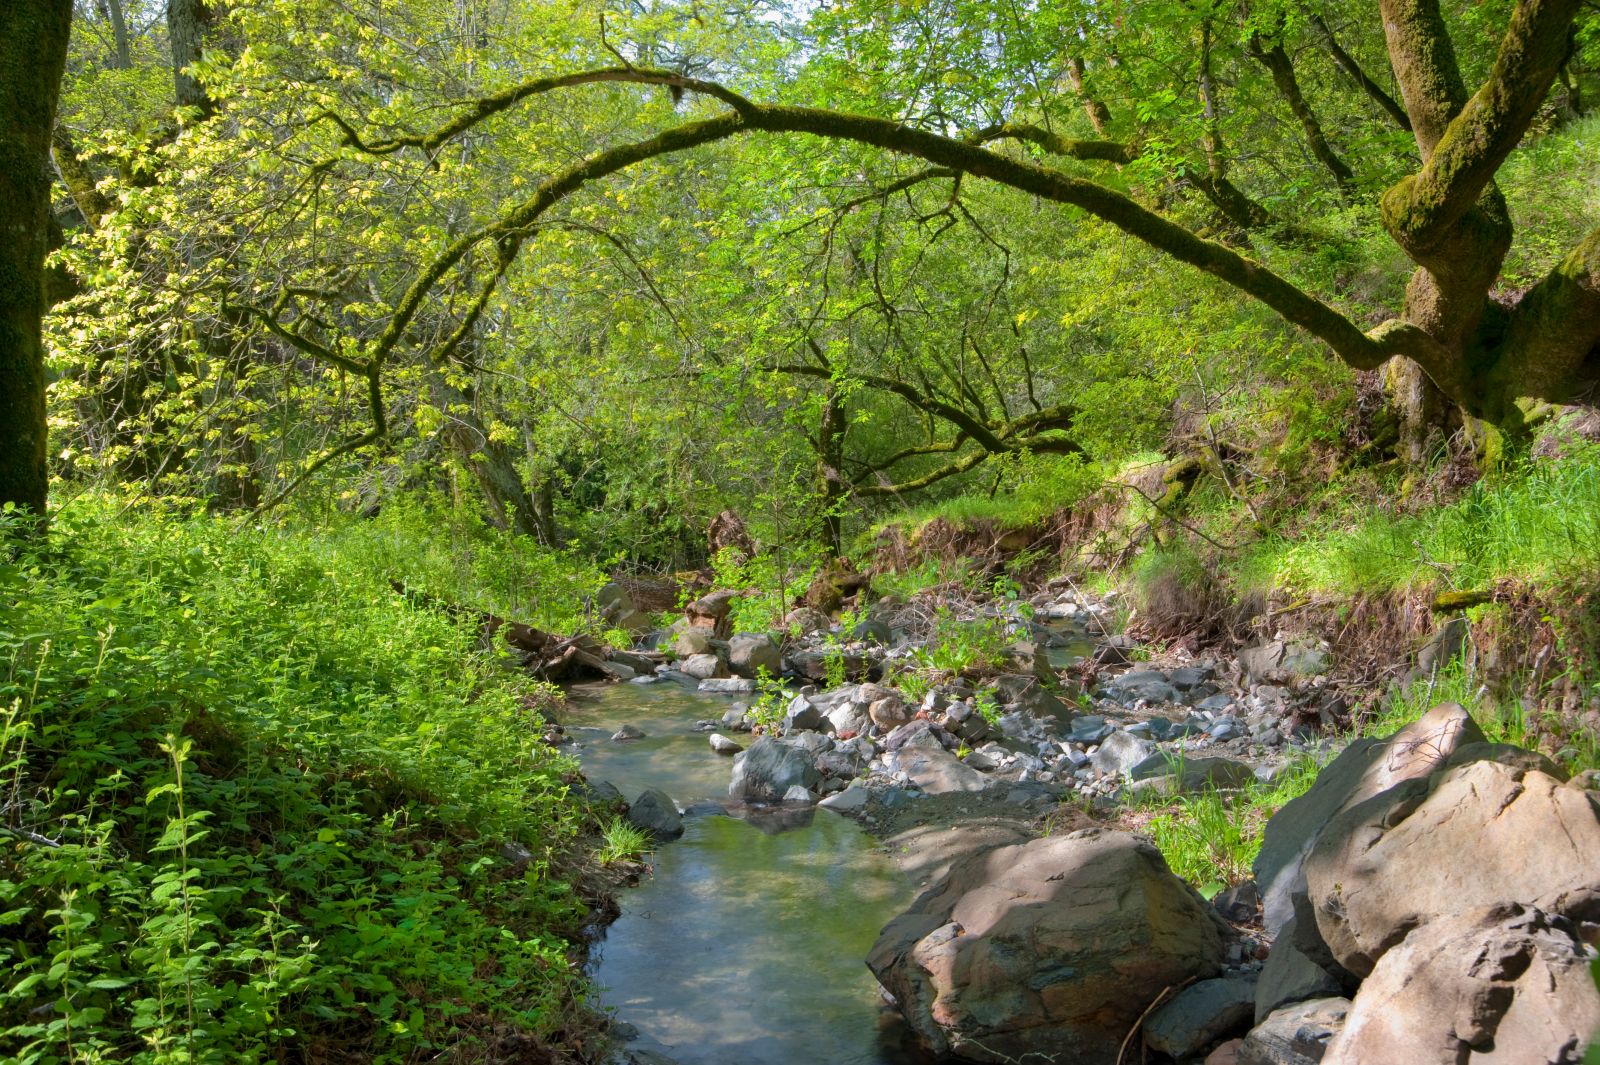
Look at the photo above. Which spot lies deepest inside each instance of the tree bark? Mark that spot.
(509, 503)
(830, 473)
(188, 22)
(33, 54)
(1099, 114)
(1278, 64)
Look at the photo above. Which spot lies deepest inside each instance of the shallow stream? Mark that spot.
(747, 945)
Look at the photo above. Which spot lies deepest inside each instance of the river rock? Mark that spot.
(1364, 769)
(693, 642)
(656, 814)
(723, 745)
(848, 716)
(802, 715)
(728, 686)
(803, 621)
(1163, 775)
(628, 732)
(1299, 1034)
(1284, 661)
(766, 771)
(1053, 947)
(935, 770)
(748, 655)
(796, 793)
(888, 713)
(1119, 753)
(703, 667)
(1291, 975)
(871, 631)
(711, 611)
(1507, 984)
(852, 799)
(1201, 1014)
(640, 664)
(1476, 835)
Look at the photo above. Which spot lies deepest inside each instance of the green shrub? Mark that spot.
(254, 802)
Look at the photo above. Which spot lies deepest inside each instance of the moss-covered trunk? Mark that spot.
(33, 53)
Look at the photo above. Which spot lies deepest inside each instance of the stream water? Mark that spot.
(746, 946)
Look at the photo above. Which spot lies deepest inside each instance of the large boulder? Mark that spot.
(703, 667)
(1119, 753)
(711, 611)
(1365, 768)
(748, 655)
(1052, 947)
(1507, 984)
(767, 771)
(1284, 661)
(1468, 837)
(1291, 975)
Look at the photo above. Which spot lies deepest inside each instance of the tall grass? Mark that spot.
(1540, 522)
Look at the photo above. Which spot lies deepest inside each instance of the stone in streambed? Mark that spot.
(723, 745)
(656, 814)
(766, 771)
(1201, 1014)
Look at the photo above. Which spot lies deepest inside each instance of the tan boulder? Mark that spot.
(1477, 835)
(1497, 986)
(1053, 947)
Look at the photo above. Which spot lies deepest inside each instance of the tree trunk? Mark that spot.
(188, 22)
(510, 505)
(830, 475)
(33, 54)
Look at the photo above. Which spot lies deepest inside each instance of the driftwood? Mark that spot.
(547, 656)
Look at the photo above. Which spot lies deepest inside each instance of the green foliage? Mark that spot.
(769, 590)
(621, 842)
(1212, 838)
(958, 645)
(771, 703)
(1540, 521)
(278, 791)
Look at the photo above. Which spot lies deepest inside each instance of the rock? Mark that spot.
(1187, 678)
(1090, 729)
(935, 770)
(603, 793)
(871, 631)
(1238, 903)
(1473, 836)
(1164, 774)
(628, 732)
(1201, 1014)
(849, 716)
(1051, 947)
(1226, 1054)
(813, 664)
(1299, 1034)
(889, 713)
(802, 715)
(692, 642)
(905, 733)
(723, 745)
(703, 667)
(803, 621)
(766, 771)
(1119, 753)
(1290, 976)
(1284, 661)
(653, 812)
(812, 743)
(736, 718)
(1364, 769)
(728, 686)
(1506, 984)
(711, 611)
(1147, 684)
(796, 793)
(851, 800)
(748, 655)
(639, 664)
(1442, 645)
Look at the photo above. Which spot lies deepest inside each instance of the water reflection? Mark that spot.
(746, 947)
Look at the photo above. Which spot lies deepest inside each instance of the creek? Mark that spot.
(747, 944)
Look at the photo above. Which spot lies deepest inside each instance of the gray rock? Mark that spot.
(1186, 678)
(848, 716)
(851, 800)
(935, 770)
(653, 812)
(1201, 1014)
(636, 662)
(872, 632)
(1291, 976)
(798, 794)
(736, 717)
(1224, 729)
(1173, 776)
(1119, 753)
(728, 686)
(766, 771)
(604, 793)
(628, 732)
(1298, 1034)
(1239, 902)
(691, 642)
(748, 655)
(703, 667)
(1284, 661)
(723, 745)
(802, 715)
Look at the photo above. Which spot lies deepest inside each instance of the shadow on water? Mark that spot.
(746, 946)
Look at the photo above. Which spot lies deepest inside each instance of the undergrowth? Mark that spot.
(256, 805)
